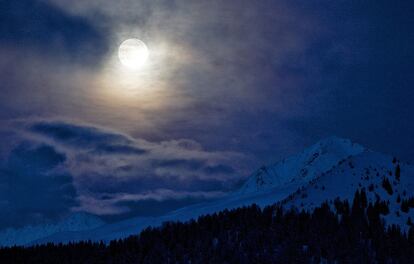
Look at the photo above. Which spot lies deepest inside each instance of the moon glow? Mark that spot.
(133, 53)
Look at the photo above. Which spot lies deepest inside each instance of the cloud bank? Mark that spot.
(57, 167)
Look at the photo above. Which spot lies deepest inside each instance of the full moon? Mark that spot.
(133, 53)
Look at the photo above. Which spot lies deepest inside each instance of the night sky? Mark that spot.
(228, 86)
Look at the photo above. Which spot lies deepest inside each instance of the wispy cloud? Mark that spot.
(118, 203)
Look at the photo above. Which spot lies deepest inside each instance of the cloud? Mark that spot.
(45, 28)
(34, 187)
(215, 67)
(163, 199)
(86, 137)
(219, 169)
(176, 163)
(46, 50)
(119, 149)
(82, 167)
(125, 155)
(75, 135)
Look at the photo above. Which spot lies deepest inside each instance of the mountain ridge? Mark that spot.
(303, 166)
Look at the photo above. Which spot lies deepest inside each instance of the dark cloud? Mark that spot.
(33, 189)
(118, 149)
(114, 174)
(76, 135)
(142, 183)
(195, 166)
(224, 169)
(39, 26)
(190, 164)
(26, 157)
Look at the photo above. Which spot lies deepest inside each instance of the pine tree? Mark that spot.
(387, 185)
(363, 196)
(397, 172)
(404, 206)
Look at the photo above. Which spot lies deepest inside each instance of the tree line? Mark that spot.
(335, 232)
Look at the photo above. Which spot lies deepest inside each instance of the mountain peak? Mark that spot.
(303, 167)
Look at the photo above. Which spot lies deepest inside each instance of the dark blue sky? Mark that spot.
(228, 86)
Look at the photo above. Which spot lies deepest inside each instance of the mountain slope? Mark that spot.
(75, 222)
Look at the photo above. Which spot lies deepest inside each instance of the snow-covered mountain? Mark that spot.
(304, 166)
(383, 178)
(27, 234)
(331, 168)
